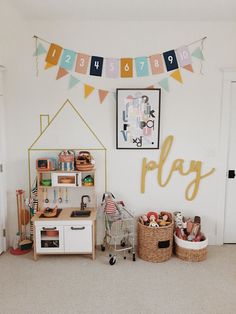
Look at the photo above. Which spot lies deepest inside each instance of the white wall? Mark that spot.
(190, 112)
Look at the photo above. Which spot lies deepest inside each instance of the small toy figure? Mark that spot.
(152, 216)
(178, 220)
(110, 206)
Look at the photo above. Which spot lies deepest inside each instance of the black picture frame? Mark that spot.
(138, 112)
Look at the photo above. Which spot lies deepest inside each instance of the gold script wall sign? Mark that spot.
(177, 165)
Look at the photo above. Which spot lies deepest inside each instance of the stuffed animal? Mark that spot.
(109, 204)
(178, 220)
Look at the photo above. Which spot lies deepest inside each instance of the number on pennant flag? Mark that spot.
(96, 66)
(126, 67)
(82, 63)
(68, 59)
(184, 57)
(112, 68)
(170, 60)
(53, 54)
(157, 64)
(141, 65)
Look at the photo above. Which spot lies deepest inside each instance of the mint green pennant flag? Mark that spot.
(165, 84)
(197, 53)
(40, 50)
(72, 81)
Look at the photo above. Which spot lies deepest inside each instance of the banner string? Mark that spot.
(36, 57)
(188, 45)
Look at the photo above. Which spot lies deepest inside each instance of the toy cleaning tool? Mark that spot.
(67, 196)
(60, 196)
(23, 220)
(46, 200)
(54, 196)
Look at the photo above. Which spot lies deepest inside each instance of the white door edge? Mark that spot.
(229, 77)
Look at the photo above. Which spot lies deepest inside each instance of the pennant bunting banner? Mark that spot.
(157, 64)
(73, 81)
(126, 67)
(88, 90)
(112, 68)
(168, 63)
(170, 60)
(40, 50)
(102, 95)
(82, 63)
(68, 59)
(188, 67)
(197, 53)
(141, 65)
(165, 84)
(53, 54)
(96, 66)
(61, 72)
(48, 66)
(184, 56)
(177, 76)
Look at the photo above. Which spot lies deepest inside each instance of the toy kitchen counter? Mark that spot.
(70, 231)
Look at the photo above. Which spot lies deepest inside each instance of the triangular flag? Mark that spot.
(88, 90)
(177, 76)
(164, 84)
(61, 72)
(197, 53)
(188, 67)
(102, 95)
(40, 50)
(73, 81)
(48, 66)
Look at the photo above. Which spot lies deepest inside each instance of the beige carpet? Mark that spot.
(76, 284)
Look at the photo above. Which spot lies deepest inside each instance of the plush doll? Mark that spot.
(109, 204)
(152, 216)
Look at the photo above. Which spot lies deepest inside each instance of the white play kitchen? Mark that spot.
(64, 229)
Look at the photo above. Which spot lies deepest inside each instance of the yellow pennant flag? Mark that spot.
(177, 76)
(88, 90)
(102, 95)
(48, 66)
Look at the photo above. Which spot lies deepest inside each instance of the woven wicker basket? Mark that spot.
(155, 244)
(190, 251)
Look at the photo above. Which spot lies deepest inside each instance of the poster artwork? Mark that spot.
(138, 118)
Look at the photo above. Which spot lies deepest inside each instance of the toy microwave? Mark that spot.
(45, 164)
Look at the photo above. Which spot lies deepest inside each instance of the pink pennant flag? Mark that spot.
(188, 67)
(102, 95)
(61, 72)
(157, 64)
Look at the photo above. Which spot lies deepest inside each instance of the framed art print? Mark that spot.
(138, 118)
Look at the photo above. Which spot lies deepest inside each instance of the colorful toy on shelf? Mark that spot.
(88, 181)
(45, 164)
(84, 161)
(66, 160)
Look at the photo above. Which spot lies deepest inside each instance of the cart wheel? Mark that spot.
(112, 260)
(122, 243)
(134, 258)
(103, 247)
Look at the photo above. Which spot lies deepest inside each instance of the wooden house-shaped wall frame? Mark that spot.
(66, 130)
